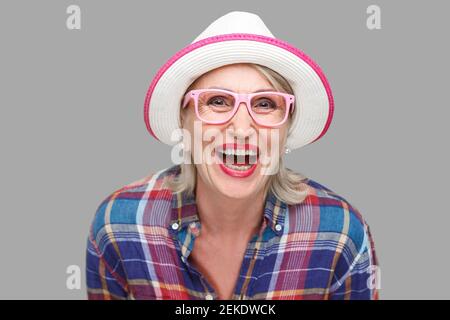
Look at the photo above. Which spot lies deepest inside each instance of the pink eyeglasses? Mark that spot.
(217, 106)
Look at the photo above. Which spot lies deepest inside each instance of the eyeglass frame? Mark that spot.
(238, 98)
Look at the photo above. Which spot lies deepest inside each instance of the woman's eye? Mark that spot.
(217, 101)
(266, 104)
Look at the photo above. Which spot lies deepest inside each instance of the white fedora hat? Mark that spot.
(240, 37)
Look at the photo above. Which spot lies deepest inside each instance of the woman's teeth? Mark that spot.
(238, 159)
(238, 152)
(238, 168)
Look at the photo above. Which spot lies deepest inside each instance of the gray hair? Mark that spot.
(286, 184)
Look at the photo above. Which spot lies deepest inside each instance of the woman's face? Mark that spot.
(240, 132)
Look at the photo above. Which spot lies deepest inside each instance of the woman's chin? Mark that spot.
(236, 185)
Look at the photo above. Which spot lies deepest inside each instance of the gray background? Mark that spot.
(72, 129)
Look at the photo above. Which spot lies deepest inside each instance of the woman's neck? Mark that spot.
(226, 217)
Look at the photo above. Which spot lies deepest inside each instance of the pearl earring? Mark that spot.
(287, 150)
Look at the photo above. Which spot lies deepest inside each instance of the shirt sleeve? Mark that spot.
(361, 278)
(105, 277)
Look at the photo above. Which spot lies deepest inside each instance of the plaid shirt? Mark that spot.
(142, 234)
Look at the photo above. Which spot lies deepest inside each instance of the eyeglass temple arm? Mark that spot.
(186, 99)
(292, 107)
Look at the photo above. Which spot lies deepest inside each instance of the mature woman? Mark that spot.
(231, 221)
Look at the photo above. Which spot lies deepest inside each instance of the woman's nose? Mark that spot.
(242, 118)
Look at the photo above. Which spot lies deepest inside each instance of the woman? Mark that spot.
(230, 221)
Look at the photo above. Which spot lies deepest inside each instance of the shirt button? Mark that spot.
(183, 258)
(209, 297)
(175, 226)
(278, 227)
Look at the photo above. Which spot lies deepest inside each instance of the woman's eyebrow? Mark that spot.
(260, 90)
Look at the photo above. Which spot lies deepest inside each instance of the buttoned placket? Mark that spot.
(268, 232)
(193, 230)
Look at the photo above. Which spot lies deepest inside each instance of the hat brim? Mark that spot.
(314, 100)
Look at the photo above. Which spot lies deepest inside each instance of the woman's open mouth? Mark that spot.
(237, 160)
